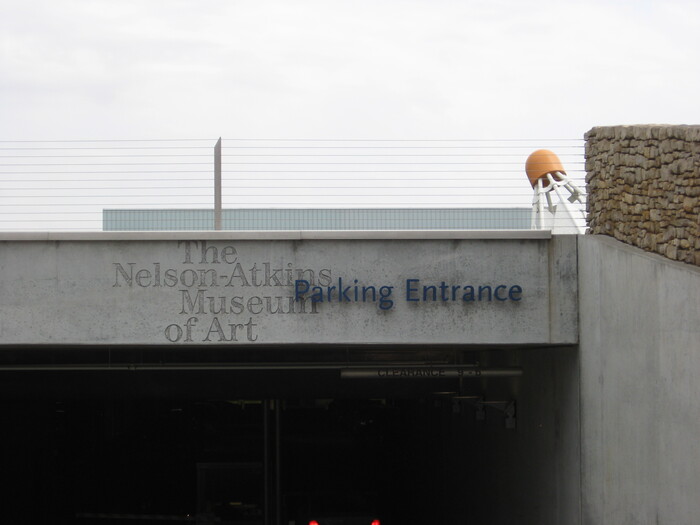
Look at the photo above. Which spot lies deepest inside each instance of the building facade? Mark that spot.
(476, 376)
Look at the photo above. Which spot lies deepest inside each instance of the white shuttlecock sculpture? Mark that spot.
(547, 177)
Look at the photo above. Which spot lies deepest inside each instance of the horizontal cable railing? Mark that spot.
(274, 184)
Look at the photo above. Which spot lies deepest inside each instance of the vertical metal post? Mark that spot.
(217, 185)
(278, 465)
(266, 460)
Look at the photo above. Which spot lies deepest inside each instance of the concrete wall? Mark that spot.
(640, 386)
(242, 291)
(643, 185)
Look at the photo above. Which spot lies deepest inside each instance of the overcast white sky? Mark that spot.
(360, 69)
(271, 69)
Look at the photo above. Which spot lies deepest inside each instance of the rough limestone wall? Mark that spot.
(644, 187)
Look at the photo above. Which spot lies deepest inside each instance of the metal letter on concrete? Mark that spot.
(217, 185)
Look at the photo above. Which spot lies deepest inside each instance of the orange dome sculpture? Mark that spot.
(541, 163)
(551, 206)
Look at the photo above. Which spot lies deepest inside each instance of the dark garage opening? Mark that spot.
(101, 447)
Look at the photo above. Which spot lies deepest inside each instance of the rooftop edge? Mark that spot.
(275, 235)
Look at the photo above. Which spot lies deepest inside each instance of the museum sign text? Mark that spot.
(223, 298)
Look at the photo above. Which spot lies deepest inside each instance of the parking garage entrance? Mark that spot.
(286, 381)
(282, 443)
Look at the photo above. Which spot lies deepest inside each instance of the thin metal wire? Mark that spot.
(387, 163)
(96, 172)
(105, 148)
(189, 203)
(269, 195)
(305, 139)
(71, 148)
(387, 147)
(381, 155)
(112, 164)
(403, 140)
(319, 155)
(140, 179)
(98, 156)
(373, 171)
(149, 210)
(73, 172)
(518, 180)
(276, 163)
(75, 181)
(250, 171)
(207, 187)
(99, 140)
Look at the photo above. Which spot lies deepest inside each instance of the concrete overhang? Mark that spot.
(411, 288)
(275, 235)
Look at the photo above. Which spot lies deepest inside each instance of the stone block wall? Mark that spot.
(643, 185)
